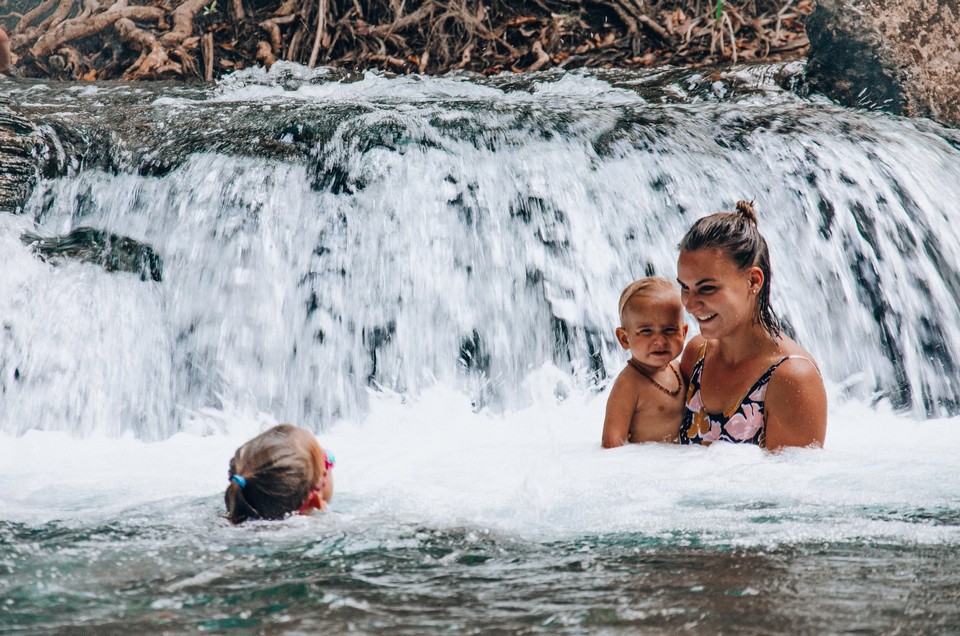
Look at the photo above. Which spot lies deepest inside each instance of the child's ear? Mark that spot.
(622, 337)
(684, 330)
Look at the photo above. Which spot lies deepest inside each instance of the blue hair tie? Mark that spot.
(238, 480)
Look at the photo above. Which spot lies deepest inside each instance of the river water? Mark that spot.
(424, 271)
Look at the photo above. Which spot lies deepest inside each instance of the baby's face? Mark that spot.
(653, 328)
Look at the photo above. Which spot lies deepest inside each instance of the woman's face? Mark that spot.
(721, 297)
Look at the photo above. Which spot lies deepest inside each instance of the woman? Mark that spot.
(748, 383)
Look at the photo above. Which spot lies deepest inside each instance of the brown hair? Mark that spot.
(737, 236)
(276, 471)
(645, 286)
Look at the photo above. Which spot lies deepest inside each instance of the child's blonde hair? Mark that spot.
(645, 286)
(272, 474)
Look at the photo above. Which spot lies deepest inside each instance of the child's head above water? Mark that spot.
(280, 471)
(651, 321)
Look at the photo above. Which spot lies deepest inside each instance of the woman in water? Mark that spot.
(748, 383)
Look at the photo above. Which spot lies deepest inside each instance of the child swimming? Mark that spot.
(281, 471)
(646, 402)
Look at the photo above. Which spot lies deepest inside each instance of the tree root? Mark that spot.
(153, 62)
(79, 28)
(183, 17)
(156, 39)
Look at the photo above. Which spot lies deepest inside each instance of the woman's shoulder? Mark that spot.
(794, 357)
(794, 372)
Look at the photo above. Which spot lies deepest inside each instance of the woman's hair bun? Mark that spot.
(745, 209)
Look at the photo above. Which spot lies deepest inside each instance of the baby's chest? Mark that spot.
(658, 405)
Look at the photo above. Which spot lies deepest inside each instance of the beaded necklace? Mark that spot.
(636, 365)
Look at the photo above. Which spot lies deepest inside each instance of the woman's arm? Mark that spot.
(796, 406)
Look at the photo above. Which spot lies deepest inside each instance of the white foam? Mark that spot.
(537, 473)
(288, 81)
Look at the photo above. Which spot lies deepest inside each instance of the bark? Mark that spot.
(321, 32)
(32, 15)
(207, 44)
(75, 29)
(153, 60)
(183, 17)
(58, 16)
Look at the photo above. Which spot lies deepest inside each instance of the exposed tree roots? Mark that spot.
(202, 39)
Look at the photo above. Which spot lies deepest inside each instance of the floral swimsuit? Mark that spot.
(746, 424)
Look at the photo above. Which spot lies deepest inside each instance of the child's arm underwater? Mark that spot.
(621, 406)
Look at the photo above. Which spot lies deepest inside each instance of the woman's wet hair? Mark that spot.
(737, 236)
(272, 474)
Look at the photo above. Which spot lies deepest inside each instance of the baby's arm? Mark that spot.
(621, 406)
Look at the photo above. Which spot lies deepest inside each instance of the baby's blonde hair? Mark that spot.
(648, 286)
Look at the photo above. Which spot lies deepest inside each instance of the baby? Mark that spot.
(281, 471)
(646, 402)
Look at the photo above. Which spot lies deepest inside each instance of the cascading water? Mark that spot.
(467, 235)
(425, 271)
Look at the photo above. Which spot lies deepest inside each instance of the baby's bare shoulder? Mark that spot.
(628, 380)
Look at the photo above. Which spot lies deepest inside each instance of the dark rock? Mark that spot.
(19, 143)
(111, 251)
(899, 56)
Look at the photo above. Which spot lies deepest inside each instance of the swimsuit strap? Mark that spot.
(765, 377)
(698, 367)
(797, 356)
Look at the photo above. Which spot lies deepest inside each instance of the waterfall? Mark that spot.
(325, 236)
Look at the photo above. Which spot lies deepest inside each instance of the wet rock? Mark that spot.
(18, 163)
(899, 56)
(113, 252)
